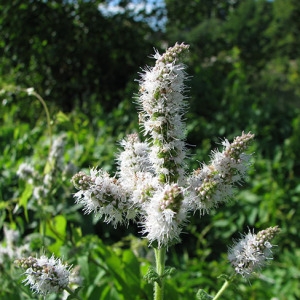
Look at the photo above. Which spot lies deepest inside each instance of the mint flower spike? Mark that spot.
(213, 184)
(45, 275)
(252, 251)
(136, 174)
(162, 104)
(103, 195)
(26, 172)
(165, 215)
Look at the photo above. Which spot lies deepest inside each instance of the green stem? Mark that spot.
(42, 101)
(224, 287)
(71, 292)
(47, 116)
(160, 268)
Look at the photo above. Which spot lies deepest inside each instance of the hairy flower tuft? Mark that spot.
(11, 247)
(162, 107)
(26, 172)
(214, 183)
(45, 275)
(252, 251)
(165, 216)
(103, 195)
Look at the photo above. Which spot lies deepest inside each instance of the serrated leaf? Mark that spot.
(224, 277)
(151, 276)
(169, 271)
(62, 118)
(202, 295)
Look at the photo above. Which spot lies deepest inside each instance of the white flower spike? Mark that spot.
(45, 275)
(252, 251)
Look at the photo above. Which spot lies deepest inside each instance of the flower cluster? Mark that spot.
(214, 183)
(252, 251)
(26, 172)
(151, 184)
(57, 150)
(165, 215)
(10, 248)
(55, 167)
(162, 107)
(103, 195)
(45, 275)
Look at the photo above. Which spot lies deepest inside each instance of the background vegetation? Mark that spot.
(84, 61)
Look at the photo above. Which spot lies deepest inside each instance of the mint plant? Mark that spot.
(154, 188)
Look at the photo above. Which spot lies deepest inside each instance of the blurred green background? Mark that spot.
(83, 58)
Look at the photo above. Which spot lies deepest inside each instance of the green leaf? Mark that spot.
(124, 280)
(56, 228)
(84, 266)
(169, 271)
(202, 295)
(151, 276)
(63, 120)
(24, 198)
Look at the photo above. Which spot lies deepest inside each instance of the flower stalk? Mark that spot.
(72, 293)
(32, 92)
(223, 288)
(160, 268)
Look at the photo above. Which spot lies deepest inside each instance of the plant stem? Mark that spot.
(160, 268)
(224, 287)
(47, 116)
(71, 292)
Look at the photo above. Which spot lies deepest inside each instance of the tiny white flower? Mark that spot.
(162, 102)
(40, 192)
(30, 91)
